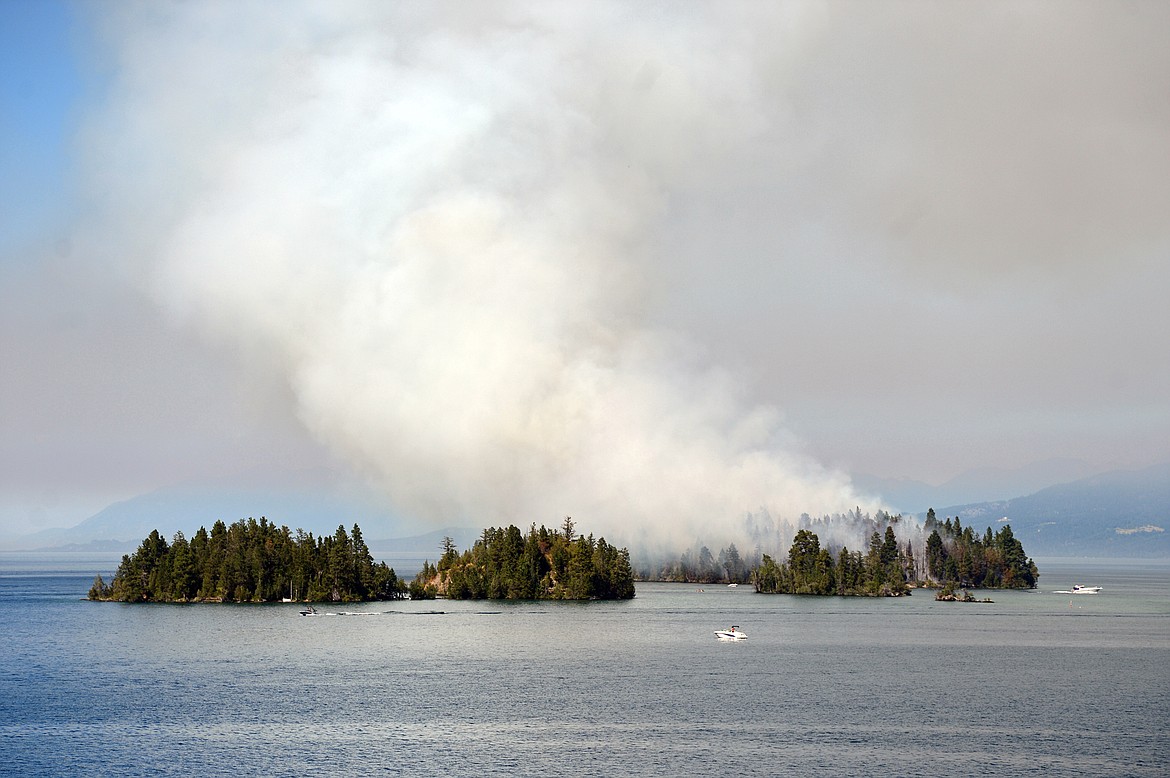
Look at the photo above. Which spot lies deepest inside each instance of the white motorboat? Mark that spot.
(731, 634)
(1079, 589)
(309, 611)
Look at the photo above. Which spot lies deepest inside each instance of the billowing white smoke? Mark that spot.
(436, 228)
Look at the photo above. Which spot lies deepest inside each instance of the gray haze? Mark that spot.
(657, 266)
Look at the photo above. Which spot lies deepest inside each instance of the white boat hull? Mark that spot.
(730, 634)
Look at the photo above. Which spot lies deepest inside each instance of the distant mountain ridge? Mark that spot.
(1125, 513)
(429, 542)
(316, 501)
(1116, 514)
(980, 485)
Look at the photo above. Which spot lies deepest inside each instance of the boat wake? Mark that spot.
(1078, 589)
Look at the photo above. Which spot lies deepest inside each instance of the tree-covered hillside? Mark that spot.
(251, 561)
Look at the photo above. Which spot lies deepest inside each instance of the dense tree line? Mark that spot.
(956, 554)
(699, 565)
(953, 557)
(765, 535)
(251, 561)
(883, 570)
(544, 564)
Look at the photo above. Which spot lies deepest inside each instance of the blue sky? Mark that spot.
(578, 259)
(40, 84)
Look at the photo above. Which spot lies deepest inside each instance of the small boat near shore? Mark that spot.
(731, 634)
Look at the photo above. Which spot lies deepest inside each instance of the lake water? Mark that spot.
(1035, 683)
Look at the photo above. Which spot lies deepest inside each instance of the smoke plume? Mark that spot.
(439, 227)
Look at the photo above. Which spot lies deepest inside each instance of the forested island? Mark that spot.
(541, 565)
(256, 561)
(251, 561)
(955, 556)
(826, 557)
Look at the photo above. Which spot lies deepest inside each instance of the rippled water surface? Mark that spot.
(1035, 683)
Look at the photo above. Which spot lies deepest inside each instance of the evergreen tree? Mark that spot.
(99, 590)
(936, 555)
(733, 565)
(184, 582)
(707, 569)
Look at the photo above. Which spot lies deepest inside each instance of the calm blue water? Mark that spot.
(1033, 684)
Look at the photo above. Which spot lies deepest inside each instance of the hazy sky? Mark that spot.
(635, 262)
